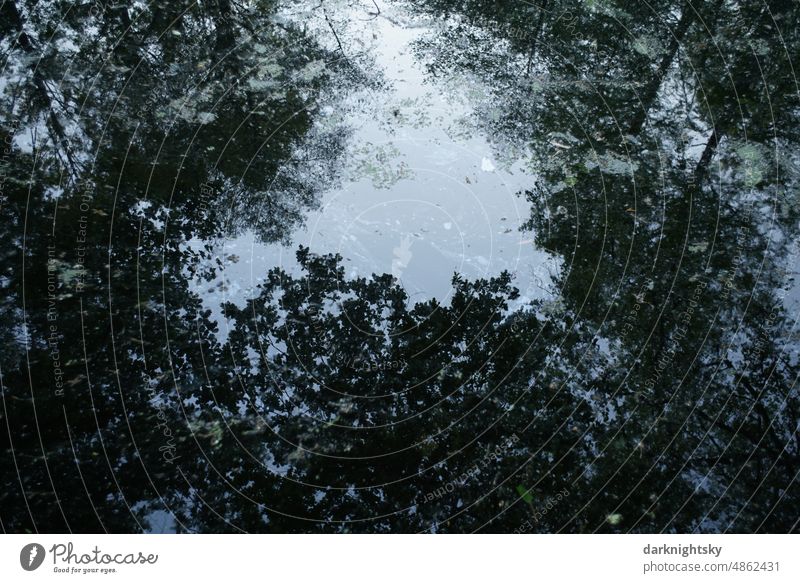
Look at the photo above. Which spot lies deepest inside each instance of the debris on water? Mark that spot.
(614, 519)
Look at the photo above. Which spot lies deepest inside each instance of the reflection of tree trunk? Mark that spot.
(225, 38)
(651, 90)
(11, 13)
(717, 132)
(536, 33)
(333, 30)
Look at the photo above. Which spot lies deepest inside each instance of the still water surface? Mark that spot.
(399, 266)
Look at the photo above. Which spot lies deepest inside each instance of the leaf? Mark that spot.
(614, 519)
(526, 495)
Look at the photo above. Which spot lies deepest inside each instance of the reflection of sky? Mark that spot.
(424, 195)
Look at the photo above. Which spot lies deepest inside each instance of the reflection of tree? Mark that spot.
(140, 141)
(643, 225)
(658, 389)
(358, 441)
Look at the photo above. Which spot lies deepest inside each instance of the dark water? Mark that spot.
(399, 266)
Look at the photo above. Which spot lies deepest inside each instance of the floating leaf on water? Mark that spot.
(648, 46)
(206, 117)
(311, 71)
(526, 495)
(614, 519)
(611, 164)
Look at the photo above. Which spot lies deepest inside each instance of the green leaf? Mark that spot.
(614, 519)
(526, 495)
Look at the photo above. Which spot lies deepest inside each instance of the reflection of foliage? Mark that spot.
(379, 163)
(626, 197)
(659, 387)
(131, 155)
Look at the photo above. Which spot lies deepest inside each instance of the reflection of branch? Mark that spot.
(536, 34)
(333, 30)
(34, 137)
(59, 137)
(374, 15)
(717, 133)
